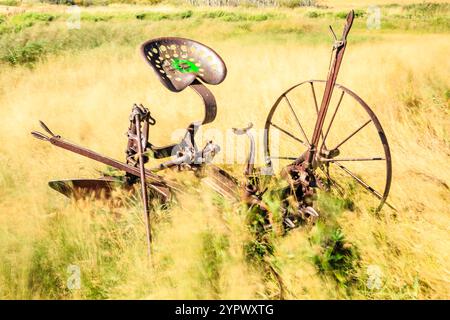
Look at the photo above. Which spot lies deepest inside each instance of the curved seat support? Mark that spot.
(210, 114)
(208, 100)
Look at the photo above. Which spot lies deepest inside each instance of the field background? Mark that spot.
(82, 83)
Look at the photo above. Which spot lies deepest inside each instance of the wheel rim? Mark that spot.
(351, 128)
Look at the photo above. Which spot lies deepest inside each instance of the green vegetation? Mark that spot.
(358, 14)
(205, 246)
(58, 248)
(28, 37)
(214, 251)
(9, 2)
(158, 16)
(27, 54)
(427, 9)
(337, 257)
(231, 16)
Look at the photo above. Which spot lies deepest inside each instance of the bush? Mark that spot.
(313, 14)
(235, 17)
(96, 18)
(9, 2)
(343, 14)
(19, 22)
(297, 3)
(157, 16)
(27, 54)
(428, 9)
(360, 13)
(32, 17)
(337, 258)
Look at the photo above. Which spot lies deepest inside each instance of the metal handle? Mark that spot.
(144, 194)
(251, 156)
(332, 33)
(348, 25)
(41, 136)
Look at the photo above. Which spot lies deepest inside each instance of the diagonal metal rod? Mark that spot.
(338, 187)
(296, 119)
(143, 184)
(156, 182)
(352, 159)
(365, 185)
(284, 158)
(317, 108)
(289, 134)
(315, 98)
(351, 135)
(332, 119)
(360, 181)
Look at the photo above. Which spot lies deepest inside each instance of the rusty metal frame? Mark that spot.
(311, 159)
(187, 156)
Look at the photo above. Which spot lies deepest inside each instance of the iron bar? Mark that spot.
(137, 120)
(316, 105)
(351, 135)
(156, 182)
(289, 134)
(365, 185)
(332, 119)
(352, 159)
(284, 158)
(331, 81)
(360, 181)
(296, 119)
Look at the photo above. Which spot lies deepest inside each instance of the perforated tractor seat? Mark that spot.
(178, 62)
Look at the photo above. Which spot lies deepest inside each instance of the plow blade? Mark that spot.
(82, 188)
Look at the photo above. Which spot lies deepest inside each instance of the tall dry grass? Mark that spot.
(199, 248)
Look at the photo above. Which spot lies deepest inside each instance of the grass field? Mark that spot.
(83, 82)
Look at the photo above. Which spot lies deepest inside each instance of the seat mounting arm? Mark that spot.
(210, 114)
(208, 100)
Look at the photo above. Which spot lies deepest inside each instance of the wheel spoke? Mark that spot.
(360, 181)
(353, 159)
(332, 119)
(296, 119)
(284, 158)
(338, 187)
(288, 134)
(315, 98)
(317, 108)
(351, 135)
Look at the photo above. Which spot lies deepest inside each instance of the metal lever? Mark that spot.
(337, 43)
(332, 32)
(41, 136)
(140, 150)
(251, 156)
(44, 126)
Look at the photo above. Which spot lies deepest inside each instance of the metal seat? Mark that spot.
(178, 62)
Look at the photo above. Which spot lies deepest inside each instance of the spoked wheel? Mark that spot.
(354, 152)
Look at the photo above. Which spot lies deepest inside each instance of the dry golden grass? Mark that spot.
(86, 97)
(365, 3)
